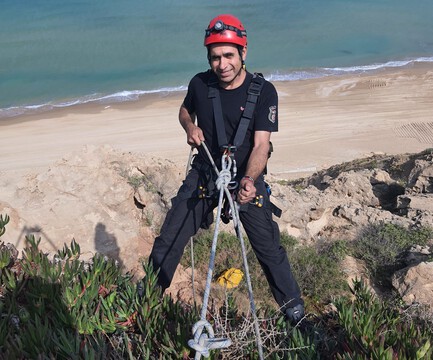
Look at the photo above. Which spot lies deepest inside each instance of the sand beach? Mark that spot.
(322, 122)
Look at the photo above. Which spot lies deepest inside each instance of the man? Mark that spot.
(226, 43)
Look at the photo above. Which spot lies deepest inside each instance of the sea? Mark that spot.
(63, 53)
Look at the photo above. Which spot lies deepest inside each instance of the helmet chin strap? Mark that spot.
(240, 50)
(240, 70)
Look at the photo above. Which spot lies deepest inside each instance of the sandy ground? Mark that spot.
(322, 122)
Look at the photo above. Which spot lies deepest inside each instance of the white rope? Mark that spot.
(203, 342)
(259, 343)
(191, 240)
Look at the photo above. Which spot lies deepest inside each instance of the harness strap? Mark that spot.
(213, 93)
(254, 90)
(275, 209)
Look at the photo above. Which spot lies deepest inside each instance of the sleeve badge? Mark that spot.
(272, 114)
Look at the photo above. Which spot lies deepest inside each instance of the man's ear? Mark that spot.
(208, 55)
(244, 53)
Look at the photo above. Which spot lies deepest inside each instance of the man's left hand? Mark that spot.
(247, 191)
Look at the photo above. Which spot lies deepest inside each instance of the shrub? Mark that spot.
(228, 251)
(336, 250)
(229, 255)
(317, 272)
(382, 245)
(319, 276)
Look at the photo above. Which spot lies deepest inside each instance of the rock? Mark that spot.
(388, 194)
(415, 284)
(353, 187)
(422, 202)
(350, 201)
(89, 196)
(355, 269)
(380, 177)
(421, 177)
(316, 223)
(417, 254)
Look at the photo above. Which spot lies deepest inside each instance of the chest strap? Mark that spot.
(254, 90)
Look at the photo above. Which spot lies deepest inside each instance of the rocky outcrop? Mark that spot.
(335, 204)
(415, 284)
(350, 201)
(417, 202)
(89, 196)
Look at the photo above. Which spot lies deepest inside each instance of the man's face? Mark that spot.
(227, 64)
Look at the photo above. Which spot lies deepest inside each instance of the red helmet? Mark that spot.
(225, 28)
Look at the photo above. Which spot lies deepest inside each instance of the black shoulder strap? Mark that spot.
(254, 90)
(214, 94)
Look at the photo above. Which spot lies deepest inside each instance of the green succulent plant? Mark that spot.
(66, 308)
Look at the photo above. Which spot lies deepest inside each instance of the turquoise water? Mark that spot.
(56, 53)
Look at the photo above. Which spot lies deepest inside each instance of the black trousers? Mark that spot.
(189, 212)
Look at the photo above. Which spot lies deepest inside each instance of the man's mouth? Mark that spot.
(225, 73)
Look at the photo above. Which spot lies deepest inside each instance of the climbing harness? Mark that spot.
(254, 90)
(202, 343)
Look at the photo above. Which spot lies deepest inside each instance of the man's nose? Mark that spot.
(223, 63)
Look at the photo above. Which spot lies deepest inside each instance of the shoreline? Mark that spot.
(323, 121)
(131, 96)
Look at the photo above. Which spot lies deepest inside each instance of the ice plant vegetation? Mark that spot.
(61, 307)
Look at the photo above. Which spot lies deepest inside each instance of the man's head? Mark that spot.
(226, 42)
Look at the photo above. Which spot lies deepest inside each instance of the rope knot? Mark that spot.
(225, 175)
(223, 179)
(203, 342)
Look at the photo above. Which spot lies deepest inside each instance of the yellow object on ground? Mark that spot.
(230, 278)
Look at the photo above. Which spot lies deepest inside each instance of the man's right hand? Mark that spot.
(194, 135)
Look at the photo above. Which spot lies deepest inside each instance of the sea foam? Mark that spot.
(325, 71)
(134, 95)
(121, 96)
